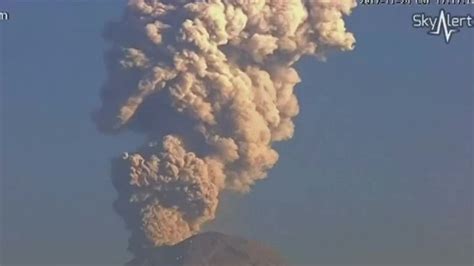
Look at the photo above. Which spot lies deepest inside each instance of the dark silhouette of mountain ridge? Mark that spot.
(212, 249)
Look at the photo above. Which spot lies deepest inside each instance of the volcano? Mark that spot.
(212, 249)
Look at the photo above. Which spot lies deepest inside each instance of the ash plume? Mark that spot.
(210, 85)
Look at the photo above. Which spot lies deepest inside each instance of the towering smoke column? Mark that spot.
(210, 84)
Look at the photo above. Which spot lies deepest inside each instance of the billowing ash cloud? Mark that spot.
(210, 84)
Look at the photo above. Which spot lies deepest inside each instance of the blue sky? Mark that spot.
(379, 170)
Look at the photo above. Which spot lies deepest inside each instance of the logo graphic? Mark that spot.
(444, 24)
